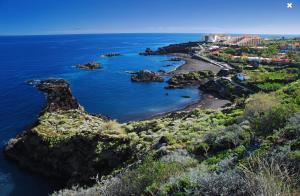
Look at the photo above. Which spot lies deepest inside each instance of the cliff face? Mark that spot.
(59, 95)
(68, 143)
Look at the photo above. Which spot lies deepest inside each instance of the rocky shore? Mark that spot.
(195, 78)
(67, 143)
(173, 48)
(59, 96)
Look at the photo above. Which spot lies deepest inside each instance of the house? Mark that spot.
(241, 77)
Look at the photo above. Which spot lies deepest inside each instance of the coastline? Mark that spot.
(207, 100)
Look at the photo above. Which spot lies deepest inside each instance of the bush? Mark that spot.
(260, 103)
(271, 120)
(270, 86)
(200, 181)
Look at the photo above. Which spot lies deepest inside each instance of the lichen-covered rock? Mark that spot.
(146, 76)
(71, 145)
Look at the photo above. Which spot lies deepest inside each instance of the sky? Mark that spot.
(38, 17)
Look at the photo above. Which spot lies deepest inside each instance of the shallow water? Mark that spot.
(108, 91)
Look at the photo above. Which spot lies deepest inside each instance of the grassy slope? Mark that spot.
(237, 152)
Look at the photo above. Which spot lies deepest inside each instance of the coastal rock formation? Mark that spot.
(146, 76)
(173, 48)
(148, 52)
(224, 88)
(59, 95)
(190, 79)
(89, 66)
(68, 143)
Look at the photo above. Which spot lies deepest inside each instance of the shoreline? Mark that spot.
(207, 100)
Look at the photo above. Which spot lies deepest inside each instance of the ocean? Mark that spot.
(108, 91)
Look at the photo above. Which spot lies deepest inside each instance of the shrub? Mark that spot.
(273, 119)
(270, 86)
(200, 181)
(260, 103)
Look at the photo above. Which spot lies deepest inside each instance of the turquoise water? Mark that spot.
(108, 91)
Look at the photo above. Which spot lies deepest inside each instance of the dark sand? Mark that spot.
(208, 101)
(193, 65)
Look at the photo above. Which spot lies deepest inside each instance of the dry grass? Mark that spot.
(269, 178)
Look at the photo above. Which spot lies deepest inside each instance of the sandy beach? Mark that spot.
(193, 65)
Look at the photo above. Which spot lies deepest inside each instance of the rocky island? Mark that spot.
(111, 55)
(146, 76)
(89, 66)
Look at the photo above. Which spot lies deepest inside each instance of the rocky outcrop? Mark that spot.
(59, 96)
(146, 76)
(89, 66)
(69, 144)
(173, 48)
(190, 79)
(148, 52)
(224, 88)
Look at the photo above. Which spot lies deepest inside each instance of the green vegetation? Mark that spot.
(247, 151)
(262, 74)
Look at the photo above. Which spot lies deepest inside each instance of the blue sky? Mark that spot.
(25, 17)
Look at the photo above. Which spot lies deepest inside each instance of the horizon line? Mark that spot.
(109, 33)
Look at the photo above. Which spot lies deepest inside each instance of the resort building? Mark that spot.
(242, 41)
(215, 38)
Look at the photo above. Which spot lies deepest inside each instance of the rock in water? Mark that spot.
(147, 52)
(111, 54)
(59, 95)
(146, 76)
(90, 66)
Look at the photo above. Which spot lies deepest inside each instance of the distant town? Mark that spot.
(254, 49)
(266, 64)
